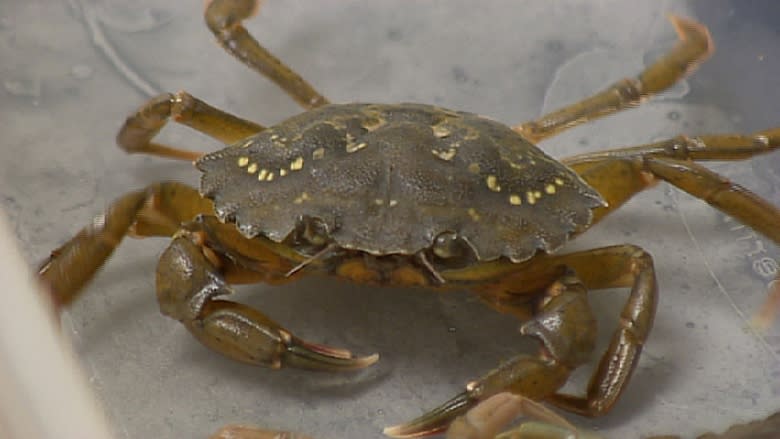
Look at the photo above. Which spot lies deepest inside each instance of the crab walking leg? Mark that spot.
(706, 147)
(224, 18)
(189, 287)
(565, 325)
(155, 211)
(615, 267)
(487, 418)
(619, 174)
(694, 46)
(135, 136)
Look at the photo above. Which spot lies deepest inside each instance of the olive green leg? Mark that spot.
(615, 267)
(566, 327)
(224, 18)
(695, 46)
(619, 174)
(138, 130)
(189, 289)
(155, 211)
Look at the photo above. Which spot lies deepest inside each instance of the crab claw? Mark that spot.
(436, 420)
(305, 355)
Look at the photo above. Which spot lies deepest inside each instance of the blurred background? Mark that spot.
(72, 70)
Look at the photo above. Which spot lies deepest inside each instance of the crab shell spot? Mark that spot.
(318, 153)
(474, 168)
(550, 189)
(263, 173)
(282, 172)
(297, 164)
(393, 203)
(441, 131)
(515, 200)
(531, 197)
(492, 183)
(243, 161)
(373, 123)
(252, 168)
(355, 147)
(445, 155)
(301, 198)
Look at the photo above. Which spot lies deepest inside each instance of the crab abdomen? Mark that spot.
(387, 179)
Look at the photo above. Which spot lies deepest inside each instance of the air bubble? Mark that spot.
(81, 71)
(23, 87)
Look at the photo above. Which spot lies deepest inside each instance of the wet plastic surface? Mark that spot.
(72, 71)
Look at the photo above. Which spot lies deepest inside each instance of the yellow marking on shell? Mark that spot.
(297, 164)
(550, 189)
(379, 201)
(515, 200)
(473, 214)
(248, 143)
(559, 181)
(274, 137)
(441, 131)
(393, 203)
(263, 173)
(445, 155)
(537, 194)
(474, 168)
(282, 172)
(373, 123)
(270, 176)
(530, 196)
(252, 168)
(492, 183)
(243, 161)
(353, 147)
(318, 153)
(303, 197)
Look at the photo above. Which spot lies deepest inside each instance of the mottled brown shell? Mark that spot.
(387, 179)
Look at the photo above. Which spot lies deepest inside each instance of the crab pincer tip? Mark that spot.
(306, 355)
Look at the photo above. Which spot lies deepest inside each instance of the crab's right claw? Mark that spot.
(305, 355)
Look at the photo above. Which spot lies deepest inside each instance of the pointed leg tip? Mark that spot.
(366, 361)
(687, 28)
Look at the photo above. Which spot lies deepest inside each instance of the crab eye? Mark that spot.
(449, 245)
(315, 232)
